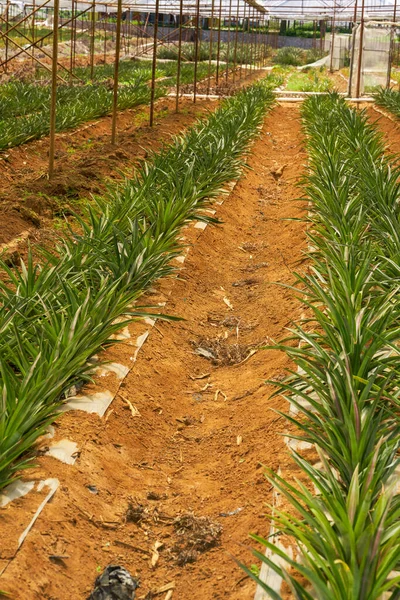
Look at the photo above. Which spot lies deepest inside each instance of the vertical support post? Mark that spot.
(333, 23)
(314, 34)
(75, 25)
(154, 64)
(71, 50)
(53, 88)
(196, 49)
(211, 46)
(353, 44)
(244, 54)
(92, 37)
(178, 69)
(116, 73)
(219, 41)
(229, 39)
(257, 34)
(236, 42)
(33, 32)
(355, 12)
(264, 40)
(252, 67)
(7, 27)
(105, 35)
(392, 28)
(358, 87)
(321, 36)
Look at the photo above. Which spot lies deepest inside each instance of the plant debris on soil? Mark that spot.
(196, 535)
(223, 353)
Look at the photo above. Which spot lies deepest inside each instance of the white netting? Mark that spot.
(339, 54)
(374, 58)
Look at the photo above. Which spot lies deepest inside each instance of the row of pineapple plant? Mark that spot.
(25, 106)
(57, 313)
(342, 515)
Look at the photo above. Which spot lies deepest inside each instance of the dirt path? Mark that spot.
(388, 125)
(198, 444)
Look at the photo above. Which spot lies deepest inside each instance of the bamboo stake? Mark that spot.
(391, 49)
(116, 73)
(154, 65)
(236, 42)
(53, 88)
(6, 40)
(229, 39)
(218, 42)
(211, 44)
(33, 32)
(333, 24)
(243, 36)
(92, 39)
(71, 50)
(178, 71)
(360, 50)
(196, 56)
(105, 35)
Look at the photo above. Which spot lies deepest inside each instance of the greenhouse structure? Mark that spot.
(199, 283)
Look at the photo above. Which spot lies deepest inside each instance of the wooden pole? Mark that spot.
(252, 66)
(243, 46)
(211, 46)
(153, 70)
(33, 33)
(116, 72)
(178, 69)
(218, 42)
(196, 49)
(236, 42)
(360, 51)
(53, 88)
(92, 39)
(7, 31)
(229, 39)
(333, 23)
(71, 50)
(389, 73)
(105, 35)
(355, 12)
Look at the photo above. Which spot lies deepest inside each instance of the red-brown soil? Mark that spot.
(388, 125)
(197, 445)
(85, 162)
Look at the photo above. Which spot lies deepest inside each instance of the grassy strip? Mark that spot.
(312, 81)
(55, 316)
(346, 387)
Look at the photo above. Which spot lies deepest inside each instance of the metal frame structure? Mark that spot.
(134, 28)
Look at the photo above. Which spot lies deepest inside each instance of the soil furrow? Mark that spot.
(205, 425)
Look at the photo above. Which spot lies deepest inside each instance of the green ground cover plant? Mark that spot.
(311, 81)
